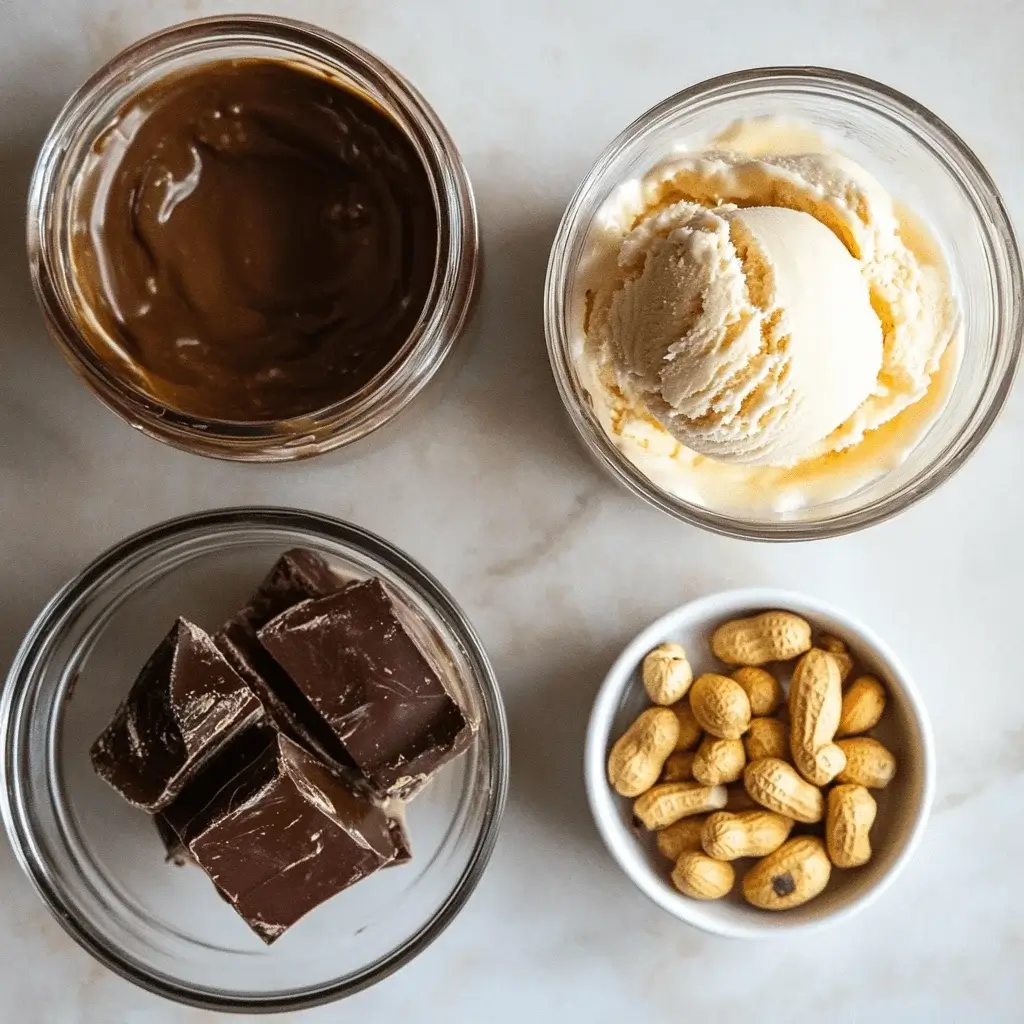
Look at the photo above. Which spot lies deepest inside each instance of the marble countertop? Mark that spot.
(532, 91)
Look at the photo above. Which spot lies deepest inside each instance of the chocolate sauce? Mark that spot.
(256, 240)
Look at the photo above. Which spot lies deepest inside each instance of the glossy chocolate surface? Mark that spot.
(299, 574)
(363, 673)
(185, 703)
(278, 833)
(257, 240)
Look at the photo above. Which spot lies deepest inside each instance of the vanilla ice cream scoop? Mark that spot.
(763, 328)
(749, 332)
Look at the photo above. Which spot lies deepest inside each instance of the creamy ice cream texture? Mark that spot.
(756, 329)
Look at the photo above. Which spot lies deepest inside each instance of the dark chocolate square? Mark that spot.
(358, 667)
(298, 575)
(184, 705)
(278, 833)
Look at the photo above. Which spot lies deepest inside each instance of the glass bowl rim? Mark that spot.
(83, 586)
(999, 239)
(441, 323)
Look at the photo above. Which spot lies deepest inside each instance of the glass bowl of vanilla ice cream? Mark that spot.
(784, 304)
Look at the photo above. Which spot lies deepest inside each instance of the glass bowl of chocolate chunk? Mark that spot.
(255, 759)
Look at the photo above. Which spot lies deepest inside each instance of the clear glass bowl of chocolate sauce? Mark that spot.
(99, 864)
(113, 340)
(925, 164)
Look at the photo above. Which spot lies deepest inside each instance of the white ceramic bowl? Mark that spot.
(902, 807)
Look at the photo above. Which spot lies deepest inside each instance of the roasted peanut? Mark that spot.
(667, 802)
(719, 761)
(815, 703)
(636, 759)
(667, 674)
(702, 878)
(795, 873)
(863, 705)
(779, 787)
(868, 763)
(720, 706)
(770, 636)
(690, 731)
(851, 813)
(683, 836)
(763, 690)
(767, 737)
(678, 767)
(750, 834)
(838, 649)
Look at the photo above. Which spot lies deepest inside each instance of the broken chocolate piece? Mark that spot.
(299, 574)
(184, 705)
(277, 832)
(356, 665)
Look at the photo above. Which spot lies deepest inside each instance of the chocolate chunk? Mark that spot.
(277, 832)
(364, 675)
(186, 703)
(297, 575)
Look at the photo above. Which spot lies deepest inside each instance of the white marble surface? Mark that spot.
(556, 566)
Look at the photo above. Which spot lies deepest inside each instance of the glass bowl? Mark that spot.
(927, 168)
(99, 864)
(53, 197)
